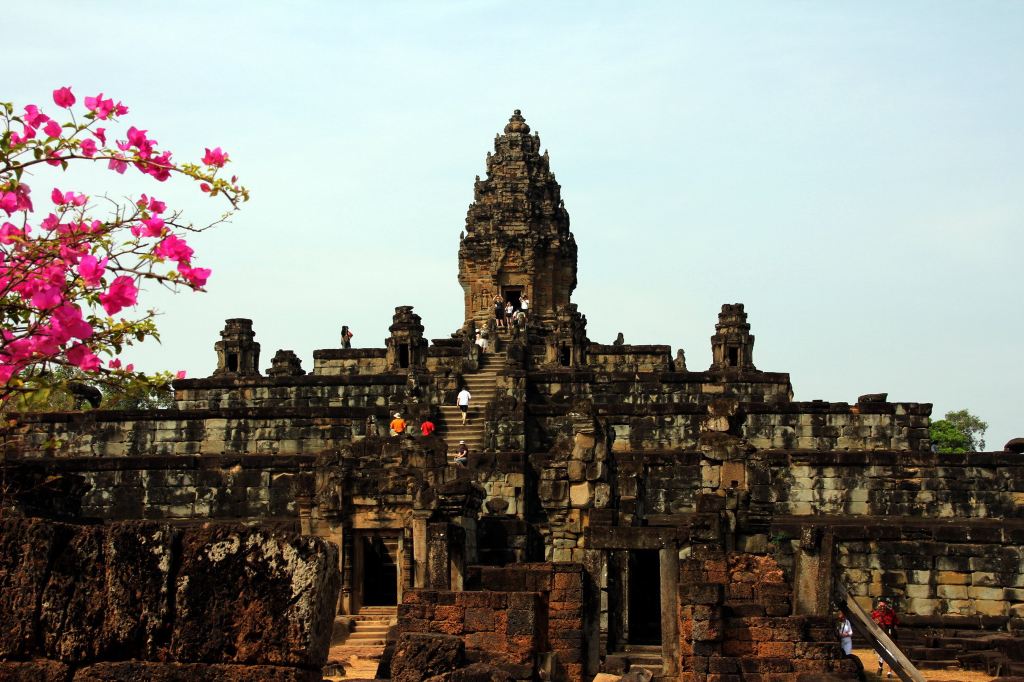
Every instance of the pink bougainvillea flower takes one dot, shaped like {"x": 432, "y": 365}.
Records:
{"x": 68, "y": 318}
{"x": 70, "y": 198}
{"x": 180, "y": 374}
{"x": 46, "y": 297}
{"x": 154, "y": 226}
{"x": 158, "y": 167}
{"x": 9, "y": 202}
{"x": 196, "y": 277}
{"x": 88, "y": 148}
{"x": 54, "y": 157}
{"x": 174, "y": 248}
{"x": 99, "y": 106}
{"x": 118, "y": 164}
{"x": 52, "y": 128}
{"x": 101, "y": 135}
{"x": 115, "y": 363}
{"x": 34, "y": 117}
{"x": 9, "y": 232}
{"x": 122, "y": 294}
{"x": 91, "y": 269}
{"x": 29, "y": 133}
{"x": 83, "y": 357}
{"x": 129, "y": 367}
{"x": 154, "y": 205}
{"x": 215, "y": 157}
{"x": 203, "y": 187}
{"x": 63, "y": 97}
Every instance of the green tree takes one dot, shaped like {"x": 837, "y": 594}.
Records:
{"x": 960, "y": 431}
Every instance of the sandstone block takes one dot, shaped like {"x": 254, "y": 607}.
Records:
{"x": 952, "y": 591}
{"x": 132, "y": 671}
{"x": 39, "y": 670}
{"x": 986, "y": 593}
{"x": 250, "y": 596}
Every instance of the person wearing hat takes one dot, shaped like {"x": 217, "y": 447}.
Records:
{"x": 463, "y": 453}
{"x": 397, "y": 425}
{"x": 885, "y": 617}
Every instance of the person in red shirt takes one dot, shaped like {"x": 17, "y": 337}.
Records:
{"x": 885, "y": 617}
{"x": 427, "y": 427}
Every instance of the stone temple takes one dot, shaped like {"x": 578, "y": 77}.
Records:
{"x": 619, "y": 513}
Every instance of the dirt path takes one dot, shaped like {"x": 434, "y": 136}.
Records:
{"x": 870, "y": 661}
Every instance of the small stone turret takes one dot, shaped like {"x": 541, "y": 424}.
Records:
{"x": 406, "y": 346}
{"x": 732, "y": 346}
{"x": 286, "y": 364}
{"x": 238, "y": 354}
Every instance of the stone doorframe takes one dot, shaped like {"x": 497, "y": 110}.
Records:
{"x": 352, "y": 561}
{"x": 615, "y": 561}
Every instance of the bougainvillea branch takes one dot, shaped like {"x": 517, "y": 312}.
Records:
{"x": 72, "y": 265}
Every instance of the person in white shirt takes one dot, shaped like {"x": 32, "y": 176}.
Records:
{"x": 845, "y": 631}
{"x": 463, "y": 402}
{"x": 524, "y": 304}
{"x": 482, "y": 342}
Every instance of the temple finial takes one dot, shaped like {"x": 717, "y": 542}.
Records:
{"x": 517, "y": 124}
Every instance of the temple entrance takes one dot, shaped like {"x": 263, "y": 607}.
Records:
{"x": 644, "y": 597}
{"x": 380, "y": 570}
{"x": 513, "y": 295}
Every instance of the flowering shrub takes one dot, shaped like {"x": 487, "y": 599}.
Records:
{"x": 70, "y": 275}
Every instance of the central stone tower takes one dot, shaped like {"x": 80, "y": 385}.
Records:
{"x": 517, "y": 242}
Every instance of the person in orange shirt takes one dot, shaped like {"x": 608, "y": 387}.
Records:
{"x": 397, "y": 425}
{"x": 426, "y": 427}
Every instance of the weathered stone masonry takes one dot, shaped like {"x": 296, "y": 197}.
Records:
{"x": 624, "y": 511}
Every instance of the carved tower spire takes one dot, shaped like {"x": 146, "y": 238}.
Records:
{"x": 517, "y": 240}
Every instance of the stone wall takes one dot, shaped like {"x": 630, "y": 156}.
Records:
{"x": 561, "y": 586}
{"x": 310, "y": 390}
{"x": 175, "y": 488}
{"x": 506, "y": 629}
{"x": 144, "y": 600}
{"x": 896, "y": 484}
{"x": 734, "y": 624}
{"x": 264, "y": 431}
{"x": 942, "y": 570}
{"x": 629, "y": 358}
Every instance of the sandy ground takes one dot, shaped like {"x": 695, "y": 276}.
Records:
{"x": 867, "y": 656}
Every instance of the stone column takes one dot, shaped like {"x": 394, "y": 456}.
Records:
{"x": 347, "y": 561}
{"x": 593, "y": 563}
{"x": 443, "y": 548}
{"x": 812, "y": 584}
{"x": 669, "y": 557}
{"x": 419, "y": 548}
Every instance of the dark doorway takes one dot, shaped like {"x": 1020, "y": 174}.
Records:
{"x": 380, "y": 573}
{"x": 644, "y": 597}
{"x": 403, "y": 355}
{"x": 513, "y": 296}
{"x": 734, "y": 356}
{"x": 565, "y": 356}
{"x": 232, "y": 362}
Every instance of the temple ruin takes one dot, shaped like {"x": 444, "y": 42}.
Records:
{"x": 618, "y": 511}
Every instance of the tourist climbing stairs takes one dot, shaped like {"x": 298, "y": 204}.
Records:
{"x": 482, "y": 385}
{"x": 357, "y": 647}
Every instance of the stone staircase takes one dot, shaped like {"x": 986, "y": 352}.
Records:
{"x": 482, "y": 385}
{"x": 635, "y": 656}
{"x": 356, "y": 655}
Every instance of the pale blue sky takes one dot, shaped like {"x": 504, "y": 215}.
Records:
{"x": 852, "y": 171}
